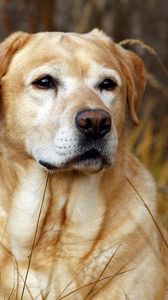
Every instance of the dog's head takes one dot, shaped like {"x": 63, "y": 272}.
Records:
{"x": 64, "y": 97}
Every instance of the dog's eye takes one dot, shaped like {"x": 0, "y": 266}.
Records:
{"x": 45, "y": 82}
{"x": 108, "y": 85}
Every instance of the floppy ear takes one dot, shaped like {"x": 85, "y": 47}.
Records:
{"x": 9, "y": 47}
{"x": 134, "y": 72}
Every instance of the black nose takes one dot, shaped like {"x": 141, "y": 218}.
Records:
{"x": 93, "y": 123}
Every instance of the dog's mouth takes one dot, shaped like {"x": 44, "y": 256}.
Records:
{"x": 91, "y": 154}
{"x": 47, "y": 165}
{"x": 89, "y": 158}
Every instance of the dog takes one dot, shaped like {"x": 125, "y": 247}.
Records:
{"x": 78, "y": 210}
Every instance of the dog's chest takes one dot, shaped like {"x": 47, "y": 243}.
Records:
{"x": 69, "y": 276}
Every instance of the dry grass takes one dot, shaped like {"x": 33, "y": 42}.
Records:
{"x": 150, "y": 140}
{"x": 152, "y": 51}
{"x": 150, "y": 148}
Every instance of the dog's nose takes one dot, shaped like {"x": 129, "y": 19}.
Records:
{"x": 93, "y": 123}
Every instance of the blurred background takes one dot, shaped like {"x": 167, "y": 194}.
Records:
{"x": 120, "y": 19}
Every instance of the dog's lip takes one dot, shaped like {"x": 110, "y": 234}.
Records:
{"x": 47, "y": 165}
{"x": 91, "y": 154}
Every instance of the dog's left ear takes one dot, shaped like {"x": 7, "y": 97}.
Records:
{"x": 134, "y": 72}
{"x": 9, "y": 47}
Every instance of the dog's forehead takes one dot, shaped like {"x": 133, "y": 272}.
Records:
{"x": 69, "y": 48}
{"x": 71, "y": 41}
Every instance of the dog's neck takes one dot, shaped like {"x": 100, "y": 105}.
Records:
{"x": 64, "y": 200}
{"x": 42, "y": 204}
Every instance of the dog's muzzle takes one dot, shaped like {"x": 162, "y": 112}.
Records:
{"x": 93, "y": 130}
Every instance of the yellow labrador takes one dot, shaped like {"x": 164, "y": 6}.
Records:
{"x": 75, "y": 204}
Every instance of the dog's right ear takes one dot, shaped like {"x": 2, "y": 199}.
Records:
{"x": 9, "y": 47}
